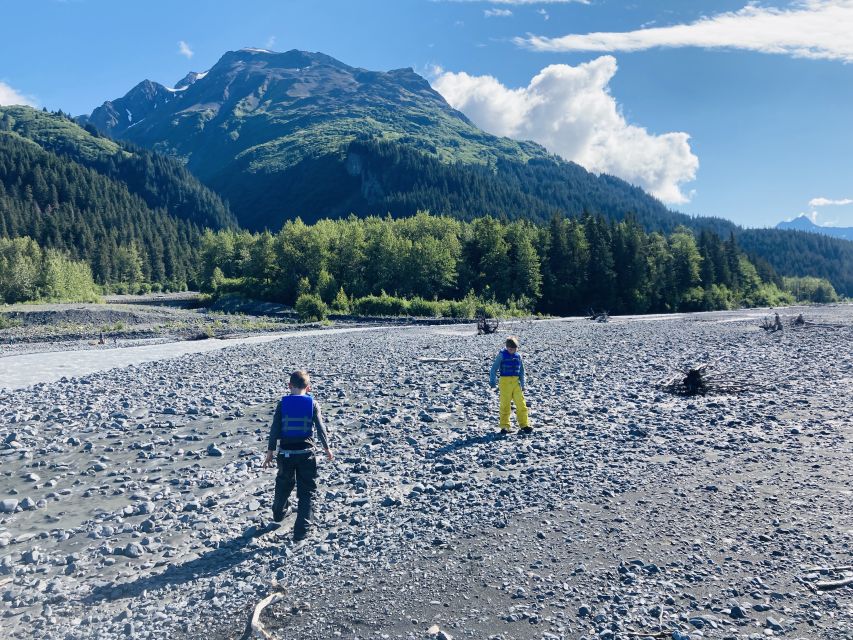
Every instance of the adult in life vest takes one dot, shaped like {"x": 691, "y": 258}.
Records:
{"x": 291, "y": 442}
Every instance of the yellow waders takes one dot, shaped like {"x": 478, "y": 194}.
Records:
{"x": 510, "y": 391}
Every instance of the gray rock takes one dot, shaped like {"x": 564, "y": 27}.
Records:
{"x": 213, "y": 450}
{"x": 737, "y": 613}
{"x": 31, "y": 556}
{"x": 8, "y": 505}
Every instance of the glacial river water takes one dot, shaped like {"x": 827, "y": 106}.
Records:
{"x": 23, "y": 370}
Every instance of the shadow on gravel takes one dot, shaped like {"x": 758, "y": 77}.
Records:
{"x": 470, "y": 441}
{"x": 211, "y": 563}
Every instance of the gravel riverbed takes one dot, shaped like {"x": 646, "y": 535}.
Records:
{"x": 133, "y": 505}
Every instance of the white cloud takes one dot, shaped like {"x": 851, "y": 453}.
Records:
{"x": 497, "y": 13}
{"x": 826, "y": 202}
{"x": 270, "y": 42}
{"x": 819, "y": 29}
{"x": 9, "y": 96}
{"x": 543, "y": 13}
{"x": 570, "y": 111}
{"x": 184, "y": 49}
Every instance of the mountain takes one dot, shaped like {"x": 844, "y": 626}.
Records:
{"x": 292, "y": 134}
{"x": 100, "y": 201}
{"x": 281, "y": 135}
{"x": 803, "y": 223}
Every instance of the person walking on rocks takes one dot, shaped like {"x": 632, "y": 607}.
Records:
{"x": 292, "y": 435}
{"x": 511, "y": 368}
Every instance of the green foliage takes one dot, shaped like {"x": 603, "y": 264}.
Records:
{"x": 28, "y": 273}
{"x": 311, "y": 308}
{"x": 420, "y": 308}
{"x": 381, "y": 305}
{"x": 803, "y": 254}
{"x": 133, "y": 216}
{"x": 426, "y": 262}
{"x": 768, "y": 295}
{"x": 6, "y": 323}
{"x": 810, "y": 289}
{"x": 341, "y": 303}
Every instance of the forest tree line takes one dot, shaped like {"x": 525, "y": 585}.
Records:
{"x": 567, "y": 266}
{"x": 29, "y": 273}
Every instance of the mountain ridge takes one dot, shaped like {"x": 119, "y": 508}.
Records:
{"x": 804, "y": 223}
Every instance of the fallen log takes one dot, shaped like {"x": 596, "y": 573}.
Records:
{"x": 848, "y": 567}
{"x": 829, "y": 585}
{"x": 255, "y": 629}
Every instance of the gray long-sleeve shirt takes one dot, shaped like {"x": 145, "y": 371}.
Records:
{"x": 319, "y": 427}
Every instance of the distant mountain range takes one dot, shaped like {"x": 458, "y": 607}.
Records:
{"x": 804, "y": 223}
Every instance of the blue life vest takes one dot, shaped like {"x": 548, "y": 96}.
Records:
{"x": 297, "y": 417}
{"x": 510, "y": 364}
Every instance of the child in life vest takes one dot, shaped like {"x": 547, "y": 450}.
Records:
{"x": 296, "y": 418}
{"x": 509, "y": 365}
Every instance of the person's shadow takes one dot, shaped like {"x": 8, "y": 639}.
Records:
{"x": 211, "y": 563}
{"x": 462, "y": 443}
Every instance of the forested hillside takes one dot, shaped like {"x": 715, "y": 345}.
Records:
{"x": 803, "y": 254}
{"x": 133, "y": 216}
{"x": 374, "y": 177}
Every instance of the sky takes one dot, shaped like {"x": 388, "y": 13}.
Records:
{"x": 738, "y": 109}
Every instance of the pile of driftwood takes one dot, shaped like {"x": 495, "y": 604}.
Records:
{"x": 775, "y": 323}
{"x": 839, "y": 577}
{"x": 772, "y": 324}
{"x": 800, "y": 321}
{"x": 702, "y": 380}
{"x": 486, "y": 326}
{"x": 598, "y": 316}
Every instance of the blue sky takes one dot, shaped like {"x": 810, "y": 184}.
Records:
{"x": 720, "y": 108}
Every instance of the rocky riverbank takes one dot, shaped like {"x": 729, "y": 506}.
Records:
{"x": 135, "y": 506}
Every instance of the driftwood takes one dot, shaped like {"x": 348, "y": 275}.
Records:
{"x": 848, "y": 567}
{"x": 772, "y": 324}
{"x": 486, "y": 326}
{"x": 599, "y": 316}
{"x": 703, "y": 380}
{"x": 800, "y": 321}
{"x": 255, "y": 629}
{"x": 829, "y": 585}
